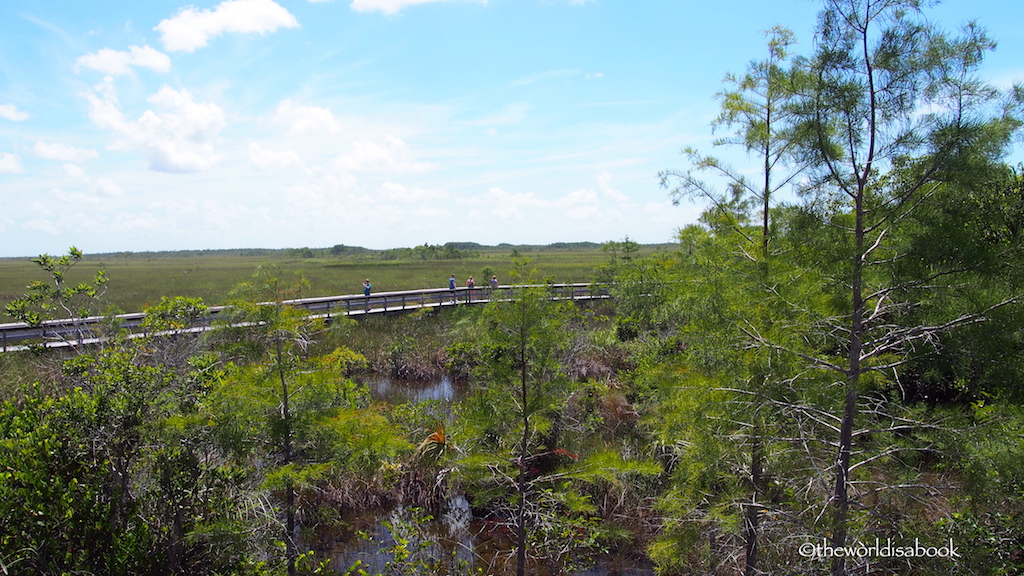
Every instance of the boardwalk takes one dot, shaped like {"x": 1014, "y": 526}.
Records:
{"x": 62, "y": 333}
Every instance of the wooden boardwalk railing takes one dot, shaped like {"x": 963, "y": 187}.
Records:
{"x": 61, "y": 333}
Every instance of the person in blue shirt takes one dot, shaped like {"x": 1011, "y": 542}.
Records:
{"x": 366, "y": 292}
{"x": 451, "y": 286}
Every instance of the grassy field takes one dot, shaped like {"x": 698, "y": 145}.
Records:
{"x": 139, "y": 280}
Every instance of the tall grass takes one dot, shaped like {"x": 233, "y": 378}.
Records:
{"x": 138, "y": 281}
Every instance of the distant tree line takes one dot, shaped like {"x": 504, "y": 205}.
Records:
{"x": 428, "y": 252}
{"x": 450, "y": 250}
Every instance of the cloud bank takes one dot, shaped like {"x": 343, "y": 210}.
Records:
{"x": 10, "y": 164}
{"x": 120, "y": 63}
{"x": 178, "y": 135}
{"x": 192, "y": 29}
{"x": 11, "y": 112}
{"x": 63, "y": 152}
{"x": 301, "y": 119}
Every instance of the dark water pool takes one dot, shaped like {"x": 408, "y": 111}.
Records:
{"x": 395, "y": 391}
{"x": 454, "y": 544}
{"x": 457, "y": 543}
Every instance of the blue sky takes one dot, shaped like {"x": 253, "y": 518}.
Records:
{"x": 161, "y": 125}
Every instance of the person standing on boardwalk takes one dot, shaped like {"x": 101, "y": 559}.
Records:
{"x": 366, "y": 292}
{"x": 451, "y": 286}
{"x": 470, "y": 284}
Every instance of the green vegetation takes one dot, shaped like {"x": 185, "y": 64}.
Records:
{"x": 57, "y": 297}
{"x": 143, "y": 278}
{"x": 820, "y": 312}
{"x": 795, "y": 376}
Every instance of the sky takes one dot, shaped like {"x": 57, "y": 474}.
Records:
{"x": 162, "y": 125}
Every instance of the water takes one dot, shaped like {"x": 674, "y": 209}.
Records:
{"x": 394, "y": 391}
{"x": 451, "y": 545}
{"x": 455, "y": 542}
{"x": 445, "y": 545}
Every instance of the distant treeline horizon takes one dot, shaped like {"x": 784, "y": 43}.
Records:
{"x": 447, "y": 251}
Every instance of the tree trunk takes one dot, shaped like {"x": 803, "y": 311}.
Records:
{"x": 841, "y": 497}
{"x": 521, "y": 522}
{"x": 291, "y": 553}
{"x": 751, "y": 525}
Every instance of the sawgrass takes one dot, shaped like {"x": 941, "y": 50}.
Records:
{"x": 141, "y": 280}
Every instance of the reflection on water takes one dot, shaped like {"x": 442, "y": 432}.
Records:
{"x": 458, "y": 517}
{"x": 454, "y": 543}
{"x": 406, "y": 536}
{"x": 395, "y": 391}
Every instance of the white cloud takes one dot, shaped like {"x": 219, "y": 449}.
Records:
{"x": 77, "y": 222}
{"x": 178, "y": 137}
{"x": 63, "y": 152}
{"x": 177, "y": 208}
{"x": 138, "y": 222}
{"x": 41, "y": 225}
{"x": 10, "y": 164}
{"x": 301, "y": 119}
{"x": 583, "y": 204}
{"x": 579, "y": 205}
{"x": 317, "y": 195}
{"x": 74, "y": 171}
{"x": 11, "y": 112}
{"x": 604, "y": 183}
{"x": 269, "y": 159}
{"x": 119, "y": 63}
{"x": 391, "y": 156}
{"x": 508, "y": 206}
{"x": 389, "y": 6}
{"x": 191, "y": 28}
{"x": 40, "y": 208}
{"x": 106, "y": 187}
{"x": 103, "y": 104}
{"x": 101, "y": 188}
{"x": 75, "y": 197}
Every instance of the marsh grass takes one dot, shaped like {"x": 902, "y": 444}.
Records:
{"x": 141, "y": 280}
{"x": 30, "y": 372}
{"x": 410, "y": 347}
{"x": 406, "y": 346}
